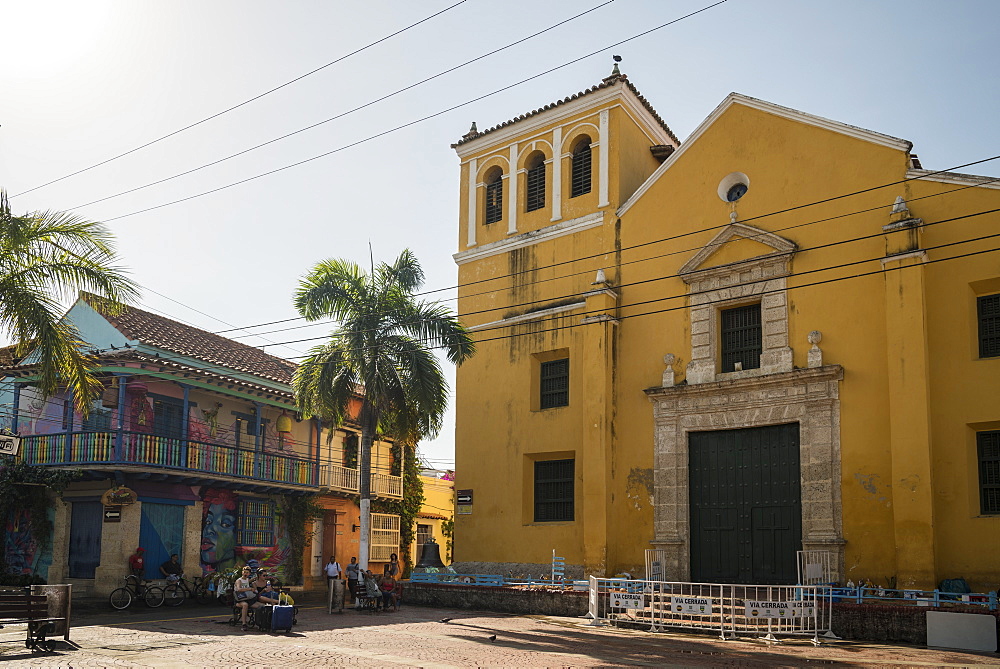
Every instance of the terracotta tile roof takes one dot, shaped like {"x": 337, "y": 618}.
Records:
{"x": 8, "y": 355}
{"x": 175, "y": 337}
{"x": 431, "y": 516}
{"x": 605, "y": 83}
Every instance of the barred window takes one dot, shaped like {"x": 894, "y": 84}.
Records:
{"x": 424, "y": 534}
{"x": 988, "y": 307}
{"x": 741, "y": 337}
{"x": 255, "y": 525}
{"x": 580, "y": 178}
{"x": 554, "y": 390}
{"x": 988, "y": 445}
{"x": 535, "y": 192}
{"x": 494, "y": 195}
{"x": 553, "y": 490}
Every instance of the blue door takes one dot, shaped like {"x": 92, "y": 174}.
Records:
{"x": 161, "y": 533}
{"x": 85, "y": 539}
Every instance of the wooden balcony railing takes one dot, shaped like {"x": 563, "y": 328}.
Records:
{"x": 336, "y": 477}
{"x": 387, "y": 485}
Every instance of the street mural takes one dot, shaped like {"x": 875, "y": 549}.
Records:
{"x": 221, "y": 547}
{"x": 23, "y": 555}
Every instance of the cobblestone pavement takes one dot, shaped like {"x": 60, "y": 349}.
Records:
{"x": 416, "y": 637}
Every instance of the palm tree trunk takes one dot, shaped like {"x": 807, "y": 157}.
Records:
{"x": 364, "y": 484}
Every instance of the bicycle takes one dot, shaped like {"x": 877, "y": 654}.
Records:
{"x": 122, "y": 598}
{"x": 175, "y": 593}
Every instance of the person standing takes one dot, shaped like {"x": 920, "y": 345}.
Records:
{"x": 393, "y": 565}
{"x": 137, "y": 563}
{"x": 354, "y": 577}
{"x": 332, "y": 570}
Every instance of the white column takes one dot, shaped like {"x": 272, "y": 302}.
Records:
{"x": 512, "y": 192}
{"x": 557, "y": 174}
{"x": 602, "y": 153}
{"x": 472, "y": 203}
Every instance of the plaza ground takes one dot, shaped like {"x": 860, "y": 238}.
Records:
{"x": 192, "y": 636}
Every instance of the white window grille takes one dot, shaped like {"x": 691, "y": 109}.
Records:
{"x": 384, "y": 537}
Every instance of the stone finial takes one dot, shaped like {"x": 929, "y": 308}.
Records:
{"x": 615, "y": 72}
{"x": 601, "y": 279}
{"x": 732, "y": 217}
{"x": 900, "y": 212}
{"x": 668, "y": 374}
{"x": 815, "y": 353}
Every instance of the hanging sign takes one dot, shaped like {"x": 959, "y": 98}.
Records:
{"x": 698, "y": 606}
{"x": 463, "y": 502}
{"x": 118, "y": 496}
{"x": 9, "y": 444}
{"x": 627, "y": 600}
{"x": 780, "y": 609}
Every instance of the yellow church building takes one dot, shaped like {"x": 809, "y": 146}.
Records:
{"x": 782, "y": 334}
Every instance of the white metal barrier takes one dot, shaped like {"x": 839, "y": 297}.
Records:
{"x": 656, "y": 564}
{"x": 815, "y": 567}
{"x": 766, "y": 611}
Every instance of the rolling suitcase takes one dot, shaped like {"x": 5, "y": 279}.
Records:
{"x": 282, "y": 616}
{"x": 262, "y": 617}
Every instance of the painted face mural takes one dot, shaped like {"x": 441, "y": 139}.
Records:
{"x": 218, "y": 534}
{"x": 22, "y": 553}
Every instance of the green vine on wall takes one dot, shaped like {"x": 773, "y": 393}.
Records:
{"x": 23, "y": 489}
{"x": 298, "y": 512}
{"x": 408, "y": 507}
{"x": 448, "y": 530}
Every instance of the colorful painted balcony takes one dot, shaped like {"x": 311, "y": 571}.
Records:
{"x": 117, "y": 450}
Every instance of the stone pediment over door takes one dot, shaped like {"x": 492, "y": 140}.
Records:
{"x": 741, "y": 265}
{"x": 737, "y": 243}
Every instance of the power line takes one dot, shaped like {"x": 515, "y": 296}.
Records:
{"x": 789, "y": 288}
{"x": 414, "y": 122}
{"x": 669, "y": 276}
{"x": 346, "y": 113}
{"x": 685, "y": 234}
{"x": 500, "y": 326}
{"x": 687, "y": 306}
{"x": 245, "y": 102}
{"x": 630, "y": 262}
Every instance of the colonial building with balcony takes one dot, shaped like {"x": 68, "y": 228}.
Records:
{"x": 193, "y": 447}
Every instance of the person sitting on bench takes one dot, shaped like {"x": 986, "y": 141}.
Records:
{"x": 266, "y": 593}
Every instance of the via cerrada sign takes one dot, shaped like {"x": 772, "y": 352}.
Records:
{"x": 780, "y": 609}
{"x": 699, "y": 606}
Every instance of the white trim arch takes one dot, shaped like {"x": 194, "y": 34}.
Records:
{"x": 574, "y": 134}
{"x": 530, "y": 148}
{"x": 490, "y": 163}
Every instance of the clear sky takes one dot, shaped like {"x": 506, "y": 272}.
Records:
{"x": 81, "y": 82}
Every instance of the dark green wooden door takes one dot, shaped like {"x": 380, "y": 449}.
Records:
{"x": 746, "y": 505}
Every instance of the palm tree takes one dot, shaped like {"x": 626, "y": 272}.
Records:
{"x": 380, "y": 353}
{"x": 45, "y": 259}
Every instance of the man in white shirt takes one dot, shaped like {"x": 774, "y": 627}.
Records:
{"x": 332, "y": 570}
